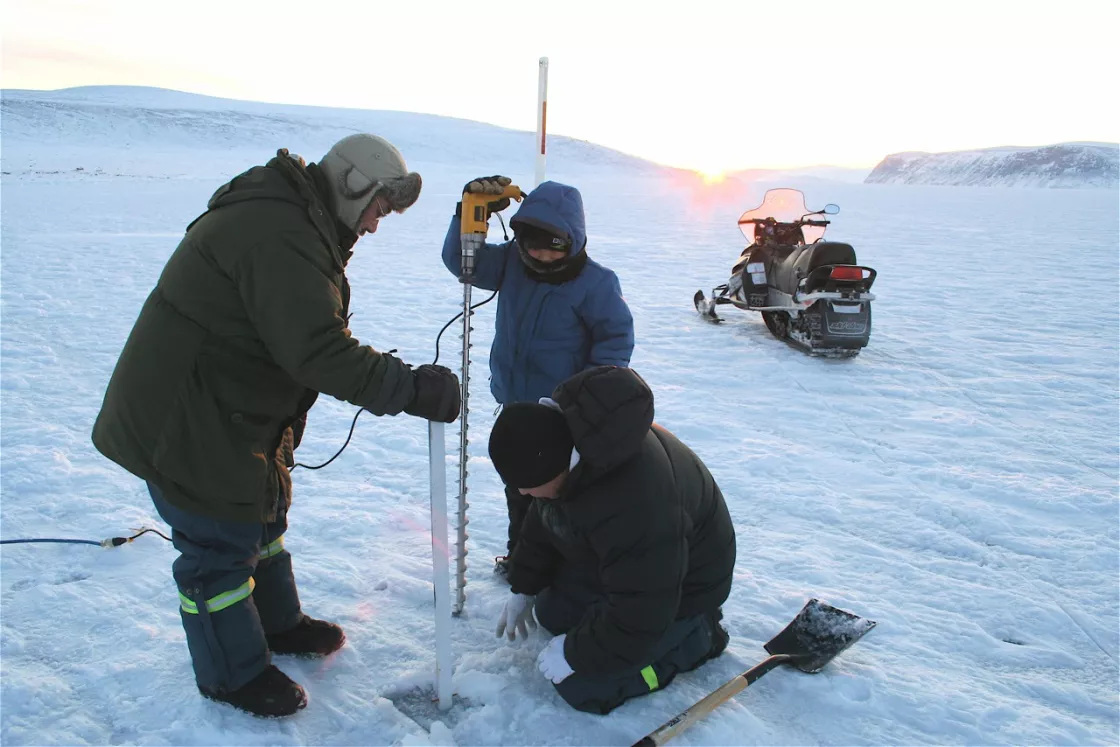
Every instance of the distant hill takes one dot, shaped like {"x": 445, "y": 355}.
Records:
{"x": 115, "y": 127}
{"x": 1062, "y": 165}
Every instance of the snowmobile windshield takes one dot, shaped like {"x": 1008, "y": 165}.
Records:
{"x": 784, "y": 206}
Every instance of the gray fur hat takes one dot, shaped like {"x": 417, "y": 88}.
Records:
{"x": 359, "y": 167}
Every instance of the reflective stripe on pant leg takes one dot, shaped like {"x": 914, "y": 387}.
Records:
{"x": 273, "y": 548}
{"x": 227, "y": 645}
{"x": 219, "y": 602}
{"x": 681, "y": 648}
{"x": 215, "y": 604}
{"x": 215, "y": 658}
{"x": 217, "y": 559}
{"x": 275, "y": 596}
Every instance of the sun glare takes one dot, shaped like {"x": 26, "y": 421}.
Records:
{"x": 712, "y": 176}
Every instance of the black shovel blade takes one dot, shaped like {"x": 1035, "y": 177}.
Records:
{"x": 818, "y": 633}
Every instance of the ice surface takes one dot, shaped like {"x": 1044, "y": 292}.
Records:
{"x": 956, "y": 482}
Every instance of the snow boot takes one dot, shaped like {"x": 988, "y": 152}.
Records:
{"x": 271, "y": 694}
{"x": 720, "y": 638}
{"x": 310, "y": 637}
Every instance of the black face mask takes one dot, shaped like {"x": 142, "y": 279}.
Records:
{"x": 560, "y": 271}
{"x": 530, "y": 238}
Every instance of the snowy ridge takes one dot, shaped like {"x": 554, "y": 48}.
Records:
{"x": 1062, "y": 165}
{"x": 78, "y": 127}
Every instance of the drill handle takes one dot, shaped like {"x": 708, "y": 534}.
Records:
{"x": 475, "y": 215}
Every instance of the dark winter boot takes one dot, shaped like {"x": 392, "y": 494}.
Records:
{"x": 310, "y": 637}
{"x": 271, "y": 694}
{"x": 720, "y": 638}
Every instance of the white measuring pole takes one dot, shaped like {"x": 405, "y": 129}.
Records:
{"x": 441, "y": 574}
{"x": 542, "y": 117}
{"x": 464, "y": 379}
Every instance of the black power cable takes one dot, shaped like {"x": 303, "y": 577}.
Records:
{"x": 108, "y": 542}
{"x": 118, "y": 541}
{"x": 354, "y": 422}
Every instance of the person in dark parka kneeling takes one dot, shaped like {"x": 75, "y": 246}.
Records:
{"x": 627, "y": 551}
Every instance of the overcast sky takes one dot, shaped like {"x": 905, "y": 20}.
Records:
{"x": 694, "y": 83}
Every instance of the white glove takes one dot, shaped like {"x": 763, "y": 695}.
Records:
{"x": 517, "y": 616}
{"x": 552, "y": 663}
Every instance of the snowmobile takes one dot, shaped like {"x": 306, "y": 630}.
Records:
{"x": 810, "y": 292}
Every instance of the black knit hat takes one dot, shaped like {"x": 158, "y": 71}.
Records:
{"x": 530, "y": 444}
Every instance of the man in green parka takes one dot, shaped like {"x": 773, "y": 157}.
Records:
{"x": 245, "y": 327}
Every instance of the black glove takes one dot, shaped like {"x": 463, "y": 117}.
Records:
{"x": 490, "y": 185}
{"x": 437, "y": 394}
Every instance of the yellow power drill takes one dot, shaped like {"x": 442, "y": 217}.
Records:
{"x": 475, "y": 224}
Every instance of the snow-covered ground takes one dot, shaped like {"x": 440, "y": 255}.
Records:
{"x": 957, "y": 482}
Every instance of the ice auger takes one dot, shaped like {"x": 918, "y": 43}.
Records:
{"x": 475, "y": 219}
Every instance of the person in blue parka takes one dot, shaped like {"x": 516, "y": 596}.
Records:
{"x": 559, "y": 311}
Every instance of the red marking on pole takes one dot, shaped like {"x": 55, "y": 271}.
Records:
{"x": 544, "y": 118}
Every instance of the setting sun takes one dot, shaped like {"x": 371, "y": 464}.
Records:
{"x": 712, "y": 176}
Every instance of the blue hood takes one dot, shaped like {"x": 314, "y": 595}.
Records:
{"x": 558, "y": 209}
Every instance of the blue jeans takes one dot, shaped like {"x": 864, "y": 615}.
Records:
{"x": 235, "y": 585}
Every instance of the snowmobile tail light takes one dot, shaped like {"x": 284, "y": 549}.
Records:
{"x": 847, "y": 273}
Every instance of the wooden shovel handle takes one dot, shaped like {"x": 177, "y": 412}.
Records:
{"x": 708, "y": 703}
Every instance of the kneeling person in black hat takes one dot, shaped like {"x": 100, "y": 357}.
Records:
{"x": 627, "y": 551}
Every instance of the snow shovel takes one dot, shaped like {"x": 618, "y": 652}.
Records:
{"x": 816, "y": 635}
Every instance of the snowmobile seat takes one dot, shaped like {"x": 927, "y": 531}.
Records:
{"x": 829, "y": 253}
{"x": 807, "y": 258}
